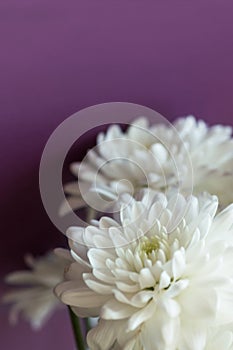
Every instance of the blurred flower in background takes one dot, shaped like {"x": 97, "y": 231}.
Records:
{"x": 187, "y": 155}
{"x": 33, "y": 296}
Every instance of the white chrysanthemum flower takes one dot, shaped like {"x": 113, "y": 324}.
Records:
{"x": 186, "y": 154}
{"x": 160, "y": 279}
{"x": 34, "y": 296}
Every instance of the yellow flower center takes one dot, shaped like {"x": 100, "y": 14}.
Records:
{"x": 149, "y": 245}
{"x": 153, "y": 247}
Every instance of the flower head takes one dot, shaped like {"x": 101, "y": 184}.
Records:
{"x": 188, "y": 155}
{"x": 34, "y": 296}
{"x": 159, "y": 279}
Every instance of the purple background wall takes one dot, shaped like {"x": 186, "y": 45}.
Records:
{"x": 58, "y": 57}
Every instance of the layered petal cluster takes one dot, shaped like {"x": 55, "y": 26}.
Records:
{"x": 186, "y": 154}
{"x": 220, "y": 338}
{"x": 160, "y": 279}
{"x": 33, "y": 294}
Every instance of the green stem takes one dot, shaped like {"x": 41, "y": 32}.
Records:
{"x": 90, "y": 215}
{"x": 80, "y": 344}
{"x": 87, "y": 324}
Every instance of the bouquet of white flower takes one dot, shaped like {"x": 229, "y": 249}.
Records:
{"x": 156, "y": 268}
